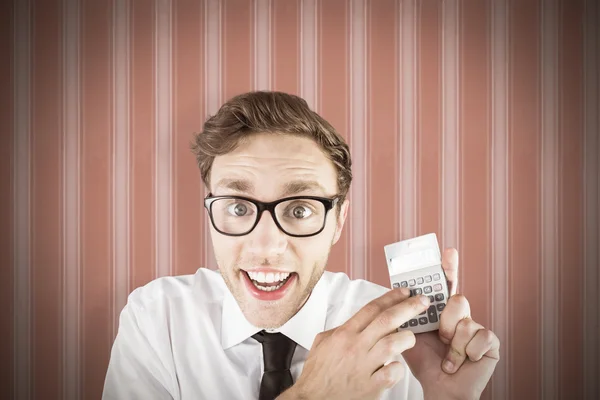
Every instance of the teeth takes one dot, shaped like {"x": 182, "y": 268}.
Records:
{"x": 268, "y": 288}
{"x": 268, "y": 277}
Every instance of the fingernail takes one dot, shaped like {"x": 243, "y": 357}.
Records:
{"x": 404, "y": 291}
{"x": 425, "y": 300}
{"x": 448, "y": 365}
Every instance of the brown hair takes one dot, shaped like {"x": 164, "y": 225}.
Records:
{"x": 269, "y": 112}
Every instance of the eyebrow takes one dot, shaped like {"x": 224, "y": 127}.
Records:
{"x": 295, "y": 187}
{"x": 238, "y": 185}
{"x": 290, "y": 188}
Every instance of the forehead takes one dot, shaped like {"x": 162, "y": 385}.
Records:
{"x": 270, "y": 166}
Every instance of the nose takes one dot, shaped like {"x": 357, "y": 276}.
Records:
{"x": 266, "y": 240}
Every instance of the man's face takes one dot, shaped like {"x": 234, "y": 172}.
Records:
{"x": 266, "y": 168}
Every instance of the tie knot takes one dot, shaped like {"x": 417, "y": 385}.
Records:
{"x": 278, "y": 350}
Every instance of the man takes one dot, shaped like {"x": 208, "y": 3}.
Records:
{"x": 272, "y": 323}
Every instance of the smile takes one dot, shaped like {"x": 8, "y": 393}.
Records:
{"x": 268, "y": 285}
{"x": 268, "y": 281}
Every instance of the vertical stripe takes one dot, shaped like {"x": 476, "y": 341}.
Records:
{"x": 143, "y": 95}
{"x": 97, "y": 130}
{"x": 308, "y": 54}
{"x": 549, "y": 206}
{"x": 450, "y": 125}
{"x": 475, "y": 162}
{"x": 358, "y": 143}
{"x": 429, "y": 123}
{"x": 407, "y": 151}
{"x": 525, "y": 200}
{"x": 7, "y": 194}
{"x": 188, "y": 117}
{"x": 238, "y": 47}
{"x": 287, "y": 51}
{"x": 382, "y": 133}
{"x": 164, "y": 146}
{"x": 334, "y": 100}
{"x": 46, "y": 199}
{"x": 213, "y": 63}
{"x": 571, "y": 224}
{"x": 71, "y": 300}
{"x": 121, "y": 173}
{"x": 591, "y": 281}
{"x": 262, "y": 44}
{"x": 499, "y": 198}
{"x": 22, "y": 200}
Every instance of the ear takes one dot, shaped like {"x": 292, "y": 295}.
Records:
{"x": 341, "y": 219}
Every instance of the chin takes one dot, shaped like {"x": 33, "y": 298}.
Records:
{"x": 267, "y": 317}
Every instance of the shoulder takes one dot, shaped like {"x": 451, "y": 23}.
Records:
{"x": 204, "y": 286}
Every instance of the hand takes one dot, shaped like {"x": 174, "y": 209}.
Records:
{"x": 472, "y": 350}
{"x": 348, "y": 362}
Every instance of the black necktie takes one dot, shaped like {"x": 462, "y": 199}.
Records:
{"x": 278, "y": 350}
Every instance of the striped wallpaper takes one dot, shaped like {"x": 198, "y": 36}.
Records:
{"x": 477, "y": 120}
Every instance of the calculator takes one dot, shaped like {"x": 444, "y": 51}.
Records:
{"x": 416, "y": 264}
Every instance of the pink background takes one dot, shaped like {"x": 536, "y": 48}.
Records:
{"x": 477, "y": 120}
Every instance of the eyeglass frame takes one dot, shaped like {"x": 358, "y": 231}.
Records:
{"x": 262, "y": 206}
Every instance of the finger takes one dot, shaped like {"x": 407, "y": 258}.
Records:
{"x": 456, "y": 309}
{"x": 388, "y": 376}
{"x": 485, "y": 343}
{"x": 465, "y": 332}
{"x": 390, "y": 346}
{"x": 371, "y": 310}
{"x": 390, "y": 320}
{"x": 450, "y": 267}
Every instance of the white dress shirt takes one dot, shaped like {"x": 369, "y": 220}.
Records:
{"x": 185, "y": 338}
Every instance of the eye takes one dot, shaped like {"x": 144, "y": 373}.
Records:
{"x": 237, "y": 209}
{"x": 301, "y": 212}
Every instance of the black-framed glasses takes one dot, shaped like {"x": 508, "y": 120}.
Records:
{"x": 298, "y": 216}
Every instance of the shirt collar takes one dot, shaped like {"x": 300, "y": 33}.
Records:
{"x": 302, "y": 328}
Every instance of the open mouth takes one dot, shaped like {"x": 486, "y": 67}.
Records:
{"x": 268, "y": 282}
{"x": 269, "y": 286}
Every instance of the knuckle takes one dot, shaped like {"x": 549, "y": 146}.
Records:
{"x": 460, "y": 299}
{"x": 390, "y": 345}
{"x": 384, "y": 319}
{"x": 408, "y": 337}
{"x": 386, "y": 378}
{"x": 459, "y": 353}
{"x": 465, "y": 324}
{"x": 392, "y": 375}
{"x": 488, "y": 336}
{"x": 416, "y": 304}
{"x": 373, "y": 308}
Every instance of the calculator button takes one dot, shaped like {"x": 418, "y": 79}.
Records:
{"x": 413, "y": 322}
{"x": 422, "y": 320}
{"x": 411, "y": 282}
{"x": 436, "y": 277}
{"x": 396, "y": 285}
{"x": 431, "y": 299}
{"x": 432, "y": 314}
{"x": 427, "y": 289}
{"x": 440, "y": 306}
{"x": 428, "y": 279}
{"x": 418, "y": 291}
{"x": 437, "y": 287}
{"x": 404, "y": 325}
{"x": 439, "y": 297}
{"x": 404, "y": 284}
{"x": 419, "y": 281}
